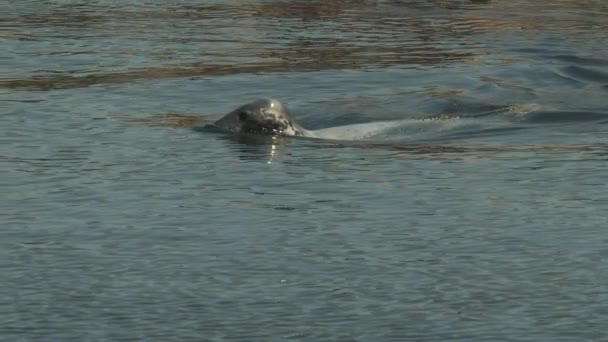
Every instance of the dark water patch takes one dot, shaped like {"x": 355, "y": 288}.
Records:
{"x": 574, "y": 82}
{"x": 585, "y": 74}
{"x": 116, "y": 16}
{"x": 77, "y": 16}
{"x": 467, "y": 108}
{"x": 332, "y": 55}
{"x": 481, "y": 132}
{"x": 480, "y": 151}
{"x": 38, "y": 246}
{"x": 312, "y": 10}
{"x": 438, "y": 4}
{"x": 547, "y": 116}
{"x": 319, "y": 61}
{"x": 66, "y": 81}
{"x": 529, "y": 50}
{"x": 578, "y": 60}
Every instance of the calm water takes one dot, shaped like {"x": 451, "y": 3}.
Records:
{"x": 481, "y": 218}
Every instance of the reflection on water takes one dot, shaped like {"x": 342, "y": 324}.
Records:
{"x": 480, "y": 217}
{"x": 268, "y": 37}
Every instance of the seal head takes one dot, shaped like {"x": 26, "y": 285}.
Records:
{"x": 263, "y": 116}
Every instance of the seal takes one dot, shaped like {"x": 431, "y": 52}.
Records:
{"x": 262, "y": 116}
{"x": 271, "y": 118}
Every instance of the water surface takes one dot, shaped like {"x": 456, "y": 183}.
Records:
{"x": 481, "y": 218}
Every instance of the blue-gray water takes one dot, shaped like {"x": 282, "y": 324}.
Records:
{"x": 483, "y": 218}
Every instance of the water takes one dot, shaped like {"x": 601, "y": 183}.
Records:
{"x": 481, "y": 218}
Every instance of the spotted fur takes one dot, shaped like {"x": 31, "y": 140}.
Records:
{"x": 263, "y": 116}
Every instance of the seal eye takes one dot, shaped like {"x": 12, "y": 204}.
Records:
{"x": 242, "y": 116}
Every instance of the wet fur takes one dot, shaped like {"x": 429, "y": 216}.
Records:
{"x": 263, "y": 116}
